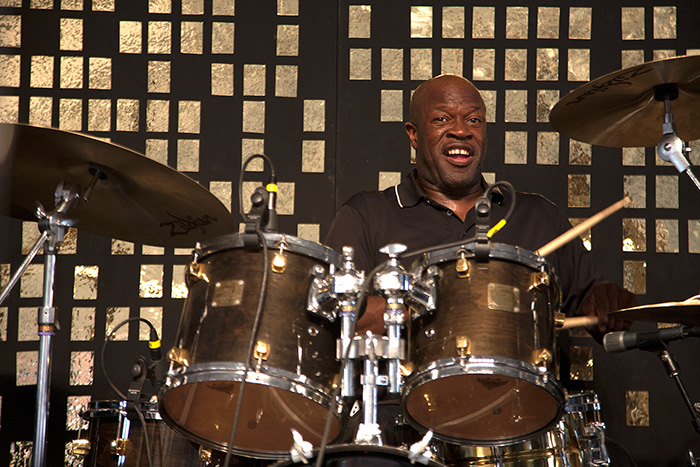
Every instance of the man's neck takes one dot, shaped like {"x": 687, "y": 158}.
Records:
{"x": 460, "y": 204}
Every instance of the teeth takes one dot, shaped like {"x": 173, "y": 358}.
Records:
{"x": 458, "y": 152}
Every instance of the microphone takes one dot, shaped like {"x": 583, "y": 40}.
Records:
{"x": 157, "y": 363}
{"x": 271, "y": 188}
{"x": 645, "y": 340}
{"x": 482, "y": 211}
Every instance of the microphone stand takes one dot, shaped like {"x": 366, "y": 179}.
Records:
{"x": 673, "y": 371}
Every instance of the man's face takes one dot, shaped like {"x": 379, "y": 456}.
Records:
{"x": 448, "y": 133}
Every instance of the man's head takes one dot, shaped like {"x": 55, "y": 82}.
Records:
{"x": 448, "y": 132}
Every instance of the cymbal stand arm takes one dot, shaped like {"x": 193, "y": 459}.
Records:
{"x": 23, "y": 267}
{"x": 671, "y": 148}
{"x": 673, "y": 371}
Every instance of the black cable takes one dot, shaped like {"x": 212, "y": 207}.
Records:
{"x": 240, "y": 181}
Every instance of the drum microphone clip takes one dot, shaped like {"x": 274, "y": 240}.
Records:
{"x": 482, "y": 208}
{"x": 258, "y": 217}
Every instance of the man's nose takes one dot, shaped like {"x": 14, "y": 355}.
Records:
{"x": 460, "y": 129}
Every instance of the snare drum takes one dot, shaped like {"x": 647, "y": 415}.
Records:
{"x": 294, "y": 367}
{"x": 484, "y": 361}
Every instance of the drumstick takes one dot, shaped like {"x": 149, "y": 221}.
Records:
{"x": 572, "y": 233}
{"x": 579, "y": 322}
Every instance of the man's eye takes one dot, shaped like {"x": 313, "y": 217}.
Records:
{"x": 440, "y": 119}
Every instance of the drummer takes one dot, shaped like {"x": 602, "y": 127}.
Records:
{"x": 434, "y": 205}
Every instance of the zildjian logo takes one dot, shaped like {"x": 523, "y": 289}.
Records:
{"x": 620, "y": 79}
{"x": 183, "y": 226}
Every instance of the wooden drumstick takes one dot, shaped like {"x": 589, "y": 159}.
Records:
{"x": 572, "y": 233}
{"x": 579, "y": 322}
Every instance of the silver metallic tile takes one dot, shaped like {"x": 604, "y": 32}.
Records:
{"x": 483, "y": 22}
{"x": 453, "y": 22}
{"x": 31, "y": 284}
{"x": 157, "y": 115}
{"x": 667, "y": 191}
{"x": 103, "y": 5}
{"x": 391, "y": 105}
{"x": 484, "y": 64}
{"x": 128, "y": 115}
{"x": 579, "y": 65}
{"x": 693, "y": 236}
{"x": 637, "y": 408}
{"x": 222, "y": 79}
{"x": 71, "y": 34}
{"x": 287, "y": 7}
{"x": 160, "y": 37}
{"x": 27, "y": 324}
{"x": 151, "y": 281}
{"x": 586, "y": 236}
{"x": 9, "y": 109}
{"x": 30, "y": 234}
{"x": 9, "y": 71}
{"x": 41, "y": 71}
{"x": 70, "y": 114}
{"x": 359, "y": 21}
{"x": 287, "y": 40}
{"x": 192, "y": 7}
{"x": 634, "y": 235}
{"x": 579, "y": 190}
{"x": 547, "y": 64}
{"x": 189, "y": 116}
{"x": 515, "y": 65}
{"x": 516, "y": 106}
{"x": 547, "y": 148}
{"x": 421, "y": 22}
{"x": 71, "y": 76}
{"x": 392, "y": 64}
{"x": 222, "y": 38}
{"x": 253, "y": 117}
{"x": 310, "y": 232}
{"x": 633, "y": 157}
{"x": 154, "y": 314}
{"x": 26, "y": 369}
{"x": 580, "y": 19}
{"x": 10, "y": 31}
{"x": 160, "y": 6}
{"x": 665, "y": 22}
{"x": 421, "y": 64}
{"x": 667, "y": 236}
{"x": 285, "y": 198}
{"x": 286, "y": 80}
{"x": 516, "y": 147}
{"x": 634, "y": 276}
{"x": 113, "y": 316}
{"x": 250, "y": 147}
{"x": 313, "y": 156}
{"x": 82, "y": 365}
{"x": 314, "y": 115}
{"x": 632, "y": 26}
{"x": 3, "y": 324}
{"x": 630, "y": 58}
{"x": 191, "y": 37}
{"x": 75, "y": 405}
{"x": 82, "y": 326}
{"x": 547, "y": 22}
{"x": 635, "y": 186}
{"x": 253, "y": 80}
{"x": 40, "y": 111}
{"x": 490, "y": 100}
{"x": 580, "y": 153}
{"x": 100, "y": 73}
{"x": 178, "y": 288}
{"x": 223, "y": 192}
{"x": 223, "y": 7}
{"x": 156, "y": 149}
{"x": 85, "y": 282}
{"x": 581, "y": 368}
{"x": 452, "y": 62}
{"x": 517, "y": 22}
{"x": 188, "y": 155}
{"x": 130, "y": 40}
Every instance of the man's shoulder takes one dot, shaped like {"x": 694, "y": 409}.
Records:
{"x": 372, "y": 200}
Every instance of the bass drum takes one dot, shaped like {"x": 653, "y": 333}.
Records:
{"x": 358, "y": 455}
{"x": 294, "y": 366}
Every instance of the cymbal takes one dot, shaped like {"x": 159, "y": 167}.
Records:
{"x": 687, "y": 312}
{"x": 139, "y": 200}
{"x": 620, "y": 110}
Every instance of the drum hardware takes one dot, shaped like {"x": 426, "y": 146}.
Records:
{"x": 462, "y": 265}
{"x": 279, "y": 261}
{"x": 583, "y": 414}
{"x": 301, "y": 450}
{"x": 204, "y": 454}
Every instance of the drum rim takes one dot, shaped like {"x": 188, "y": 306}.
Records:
{"x": 341, "y": 448}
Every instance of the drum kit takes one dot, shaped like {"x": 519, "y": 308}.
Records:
{"x": 266, "y": 367}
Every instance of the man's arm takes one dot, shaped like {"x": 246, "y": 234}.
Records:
{"x": 606, "y": 297}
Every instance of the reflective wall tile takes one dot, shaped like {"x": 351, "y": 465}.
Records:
{"x": 41, "y": 71}
{"x": 160, "y": 6}
{"x": 452, "y": 62}
{"x": 178, "y": 288}
{"x": 547, "y": 147}
{"x": 580, "y": 19}
{"x": 40, "y": 110}
{"x": 114, "y": 315}
{"x": 191, "y": 37}
{"x": 579, "y": 190}
{"x": 253, "y": 80}
{"x": 9, "y": 109}
{"x": 632, "y": 23}
{"x": 547, "y": 64}
{"x": 314, "y": 115}
{"x": 75, "y": 405}
{"x": 128, "y": 115}
{"x": 516, "y": 65}
{"x": 546, "y": 99}
{"x": 516, "y": 106}
{"x": 391, "y": 105}
{"x": 223, "y": 7}
{"x": 26, "y": 369}
{"x": 150, "y": 250}
{"x": 222, "y": 79}
{"x": 287, "y": 40}
{"x": 11, "y": 3}
{"x": 74, "y": 5}
{"x": 41, "y": 4}
{"x": 664, "y": 22}
{"x": 120, "y": 247}
{"x": 580, "y": 153}
{"x": 3, "y": 324}
{"x": 634, "y": 276}
{"x": 71, "y": 76}
{"x": 222, "y": 38}
{"x": 188, "y": 155}
{"x": 313, "y": 156}
{"x": 154, "y": 314}
{"x": 359, "y": 21}
{"x": 103, "y": 5}
{"x": 667, "y": 191}
{"x": 361, "y": 64}
{"x": 85, "y": 282}
{"x": 637, "y": 408}
{"x": 586, "y": 236}
{"x": 517, "y": 22}
{"x": 633, "y": 157}
{"x": 250, "y": 147}
{"x": 192, "y": 7}
{"x": 421, "y": 22}
{"x": 30, "y": 234}
{"x": 130, "y": 37}
{"x": 484, "y": 64}
{"x": 288, "y": 7}
{"x": 286, "y": 80}
{"x": 5, "y": 273}
{"x": 547, "y": 22}
{"x": 100, "y": 73}
{"x": 156, "y": 149}
{"x": 483, "y": 22}
{"x": 71, "y": 34}
{"x": 421, "y": 64}
{"x": 70, "y": 114}
{"x": 157, "y": 115}
{"x": 490, "y": 101}
{"x": 515, "y": 147}
{"x": 634, "y": 235}
{"x": 630, "y": 58}
{"x": 667, "y": 236}
{"x": 253, "y": 117}
{"x": 693, "y": 236}
{"x": 579, "y": 65}
{"x": 31, "y": 284}
{"x": 27, "y": 324}
{"x": 158, "y": 76}
{"x": 635, "y": 186}
{"x": 664, "y": 53}
{"x": 21, "y": 453}
{"x": 223, "y": 192}
{"x": 82, "y": 326}
{"x": 82, "y": 365}
{"x": 392, "y": 64}
{"x": 285, "y": 199}
{"x": 9, "y": 71}
{"x": 581, "y": 368}
{"x": 387, "y": 179}
{"x": 310, "y": 232}
{"x": 453, "y": 22}
{"x": 10, "y": 31}
{"x": 189, "y": 116}
{"x": 160, "y": 37}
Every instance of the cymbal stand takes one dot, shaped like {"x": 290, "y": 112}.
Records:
{"x": 673, "y": 371}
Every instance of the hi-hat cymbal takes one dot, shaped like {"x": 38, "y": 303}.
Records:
{"x": 686, "y": 312}
{"x": 140, "y": 200}
{"x": 620, "y": 109}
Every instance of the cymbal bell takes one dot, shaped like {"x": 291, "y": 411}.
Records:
{"x": 620, "y": 109}
{"x": 686, "y": 312}
{"x": 136, "y": 198}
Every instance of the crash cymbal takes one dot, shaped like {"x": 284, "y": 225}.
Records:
{"x": 620, "y": 110}
{"x": 137, "y": 200}
{"x": 687, "y": 312}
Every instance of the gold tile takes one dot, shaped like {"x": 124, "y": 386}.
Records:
{"x": 130, "y": 37}
{"x": 158, "y": 76}
{"x": 630, "y": 58}
{"x": 157, "y": 149}
{"x": 483, "y": 22}
{"x": 253, "y": 80}
{"x": 113, "y": 316}
{"x": 515, "y": 147}
{"x": 222, "y": 79}
{"x": 99, "y": 73}
{"x": 579, "y": 191}
{"x": 222, "y": 38}
{"x": 9, "y": 70}
{"x": 490, "y": 100}
{"x": 421, "y": 64}
{"x": 160, "y": 6}
{"x": 310, "y": 232}
{"x": 82, "y": 326}
{"x": 637, "y": 408}
{"x": 392, "y": 64}
{"x": 99, "y": 114}
{"x": 4, "y": 273}
{"x": 664, "y": 22}
{"x": 635, "y": 186}
{"x": 3, "y": 324}
{"x": 192, "y": 7}
{"x": 579, "y": 65}
{"x": 667, "y": 191}
{"x": 516, "y": 65}
{"x": 314, "y": 115}
{"x": 634, "y": 235}
{"x": 359, "y": 21}
{"x": 580, "y": 153}
{"x": 634, "y": 276}
{"x": 150, "y": 250}
{"x": 667, "y": 236}
{"x": 127, "y": 115}
{"x": 11, "y": 3}
{"x": 27, "y": 365}
{"x": 580, "y": 19}
{"x": 633, "y": 157}
{"x": 484, "y": 64}
{"x": 286, "y": 79}
{"x": 693, "y": 236}
{"x": 452, "y": 62}
{"x": 387, "y": 179}
{"x": 40, "y": 111}
{"x": 9, "y": 109}
{"x": 546, "y": 99}
{"x": 547, "y": 64}
{"x": 103, "y": 5}
{"x": 453, "y": 22}
{"x": 154, "y": 314}
{"x": 188, "y": 155}
{"x": 516, "y": 106}
{"x": 82, "y": 365}
{"x": 71, "y": 34}
{"x": 581, "y": 368}
{"x": 71, "y": 72}
{"x": 586, "y": 237}
{"x": 547, "y": 22}
{"x": 183, "y": 251}
{"x": 70, "y": 114}
{"x": 30, "y": 234}
{"x": 547, "y": 148}
{"x": 250, "y": 147}
{"x": 21, "y": 451}
{"x": 661, "y": 54}
{"x": 74, "y": 5}
{"x": 41, "y": 4}
{"x": 75, "y": 406}
{"x": 287, "y": 40}
{"x": 189, "y": 116}
{"x": 287, "y": 7}
{"x": 223, "y": 7}
{"x": 223, "y": 192}
{"x": 632, "y": 23}
{"x": 253, "y": 117}
{"x": 151, "y": 281}
{"x": 85, "y": 282}
{"x": 313, "y": 156}
{"x": 41, "y": 74}
{"x": 160, "y": 37}
{"x": 421, "y": 22}
{"x": 191, "y": 37}
{"x": 27, "y": 324}
{"x": 178, "y": 288}
{"x": 517, "y": 22}
{"x": 285, "y": 199}
{"x": 391, "y": 105}
{"x": 120, "y": 247}
{"x": 157, "y": 115}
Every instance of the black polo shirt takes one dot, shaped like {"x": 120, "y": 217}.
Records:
{"x": 403, "y": 214}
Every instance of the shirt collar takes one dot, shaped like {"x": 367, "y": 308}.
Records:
{"x": 408, "y": 193}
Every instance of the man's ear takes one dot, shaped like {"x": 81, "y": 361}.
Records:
{"x": 412, "y": 132}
